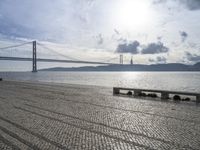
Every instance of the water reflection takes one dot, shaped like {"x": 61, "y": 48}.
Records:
{"x": 184, "y": 81}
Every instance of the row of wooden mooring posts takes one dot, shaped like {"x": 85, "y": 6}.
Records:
{"x": 165, "y": 95}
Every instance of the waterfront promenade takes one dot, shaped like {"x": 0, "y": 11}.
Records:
{"x": 63, "y": 116}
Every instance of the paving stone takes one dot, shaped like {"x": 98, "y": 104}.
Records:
{"x": 64, "y": 116}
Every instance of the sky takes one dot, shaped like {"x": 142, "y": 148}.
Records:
{"x": 150, "y": 31}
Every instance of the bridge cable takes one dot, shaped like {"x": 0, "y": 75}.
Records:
{"x": 111, "y": 59}
{"x": 42, "y": 45}
{"x": 14, "y": 46}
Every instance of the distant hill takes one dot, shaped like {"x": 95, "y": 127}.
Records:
{"x": 134, "y": 67}
{"x": 197, "y": 65}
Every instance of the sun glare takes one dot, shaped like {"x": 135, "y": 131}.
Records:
{"x": 132, "y": 14}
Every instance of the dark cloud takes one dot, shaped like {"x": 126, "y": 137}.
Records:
{"x": 155, "y": 48}
{"x": 128, "y": 47}
{"x": 99, "y": 39}
{"x": 192, "y": 57}
{"x": 159, "y": 59}
{"x": 183, "y": 35}
{"x": 189, "y": 4}
{"x": 192, "y": 4}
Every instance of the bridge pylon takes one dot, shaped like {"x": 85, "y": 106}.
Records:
{"x": 34, "y": 57}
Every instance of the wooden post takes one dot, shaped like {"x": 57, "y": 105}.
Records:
{"x": 164, "y": 95}
{"x": 198, "y": 98}
{"x": 137, "y": 92}
{"x": 115, "y": 91}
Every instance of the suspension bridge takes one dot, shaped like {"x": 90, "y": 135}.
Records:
{"x": 35, "y": 58}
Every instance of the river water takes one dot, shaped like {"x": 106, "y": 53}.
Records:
{"x": 180, "y": 81}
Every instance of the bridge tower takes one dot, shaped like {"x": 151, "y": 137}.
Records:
{"x": 34, "y": 57}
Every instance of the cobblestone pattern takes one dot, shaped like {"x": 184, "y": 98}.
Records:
{"x": 47, "y": 116}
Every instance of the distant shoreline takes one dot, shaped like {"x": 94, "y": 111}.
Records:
{"x": 173, "y": 67}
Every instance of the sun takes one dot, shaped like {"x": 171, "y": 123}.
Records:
{"x": 132, "y": 14}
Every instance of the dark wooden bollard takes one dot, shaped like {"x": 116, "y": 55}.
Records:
{"x": 115, "y": 91}
{"x": 153, "y": 95}
{"x": 198, "y": 98}
{"x": 142, "y": 94}
{"x": 1, "y": 79}
{"x": 186, "y": 99}
{"x": 176, "y": 98}
{"x": 164, "y": 95}
{"x": 129, "y": 93}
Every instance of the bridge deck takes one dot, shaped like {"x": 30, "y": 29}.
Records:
{"x": 52, "y": 60}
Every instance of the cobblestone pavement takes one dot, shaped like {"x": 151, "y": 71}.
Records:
{"x": 60, "y": 116}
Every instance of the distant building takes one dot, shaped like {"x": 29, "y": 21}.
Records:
{"x": 121, "y": 59}
{"x": 131, "y": 62}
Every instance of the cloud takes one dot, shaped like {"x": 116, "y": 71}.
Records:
{"x": 192, "y": 4}
{"x": 131, "y": 48}
{"x": 159, "y": 1}
{"x": 189, "y": 4}
{"x": 183, "y": 35}
{"x": 155, "y": 48}
{"x": 159, "y": 59}
{"x": 192, "y": 57}
{"x": 116, "y": 31}
{"x": 47, "y": 19}
{"x": 119, "y": 37}
{"x": 99, "y": 39}
{"x": 159, "y": 38}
